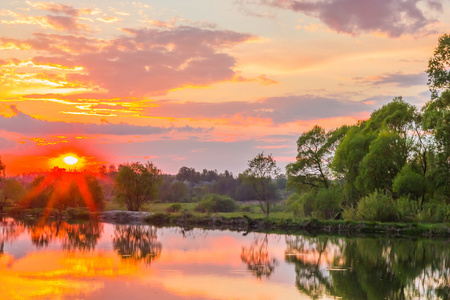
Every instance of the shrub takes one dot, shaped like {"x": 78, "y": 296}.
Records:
{"x": 216, "y": 203}
{"x": 246, "y": 208}
{"x": 176, "y": 207}
{"x": 406, "y": 209}
{"x": 378, "y": 206}
{"x": 434, "y": 212}
{"x": 327, "y": 203}
{"x": 306, "y": 203}
{"x": 409, "y": 183}
{"x": 349, "y": 213}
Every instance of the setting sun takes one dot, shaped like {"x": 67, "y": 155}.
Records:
{"x": 70, "y": 160}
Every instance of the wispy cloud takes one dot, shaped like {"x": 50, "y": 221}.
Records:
{"x": 398, "y": 79}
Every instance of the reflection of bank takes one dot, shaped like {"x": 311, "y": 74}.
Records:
{"x": 137, "y": 242}
{"x": 257, "y": 257}
{"x": 369, "y": 268}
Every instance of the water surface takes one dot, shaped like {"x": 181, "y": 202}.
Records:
{"x": 58, "y": 260}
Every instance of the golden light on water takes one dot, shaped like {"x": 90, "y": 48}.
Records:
{"x": 70, "y": 160}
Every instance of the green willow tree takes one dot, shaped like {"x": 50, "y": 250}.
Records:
{"x": 436, "y": 117}
{"x": 373, "y": 152}
{"x": 315, "y": 153}
{"x": 439, "y": 67}
{"x": 137, "y": 184}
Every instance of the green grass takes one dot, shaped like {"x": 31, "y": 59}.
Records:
{"x": 254, "y": 213}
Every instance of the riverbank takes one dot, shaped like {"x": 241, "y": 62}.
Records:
{"x": 246, "y": 222}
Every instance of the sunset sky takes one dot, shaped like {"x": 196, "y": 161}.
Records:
{"x": 200, "y": 83}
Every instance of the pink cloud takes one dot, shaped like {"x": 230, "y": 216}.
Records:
{"x": 55, "y": 8}
{"x": 65, "y": 23}
{"x": 147, "y": 61}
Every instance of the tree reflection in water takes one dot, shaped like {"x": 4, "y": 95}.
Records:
{"x": 307, "y": 255}
{"x": 82, "y": 237}
{"x": 73, "y": 237}
{"x": 9, "y": 231}
{"x": 137, "y": 242}
{"x": 370, "y": 268}
{"x": 258, "y": 258}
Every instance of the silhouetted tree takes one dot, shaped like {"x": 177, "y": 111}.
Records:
{"x": 137, "y": 184}
{"x": 260, "y": 173}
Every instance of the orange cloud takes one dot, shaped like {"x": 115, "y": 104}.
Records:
{"x": 58, "y": 23}
{"x": 149, "y": 62}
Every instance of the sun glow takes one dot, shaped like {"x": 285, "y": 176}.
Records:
{"x": 70, "y": 160}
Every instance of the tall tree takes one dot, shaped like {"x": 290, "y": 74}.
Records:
{"x": 436, "y": 116}
{"x": 439, "y": 67}
{"x": 383, "y": 138}
{"x": 137, "y": 184}
{"x": 259, "y": 174}
{"x": 315, "y": 153}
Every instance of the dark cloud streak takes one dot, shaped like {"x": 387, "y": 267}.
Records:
{"x": 398, "y": 79}
{"x": 25, "y": 124}
{"x": 279, "y": 109}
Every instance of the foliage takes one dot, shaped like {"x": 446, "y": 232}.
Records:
{"x": 436, "y": 119}
{"x": 373, "y": 152}
{"x": 216, "y": 203}
{"x": 137, "y": 184}
{"x": 292, "y": 205}
{"x": 409, "y": 183}
{"x": 434, "y": 212}
{"x": 246, "y": 208}
{"x": 315, "y": 152}
{"x": 377, "y": 206}
{"x": 60, "y": 190}
{"x": 386, "y": 156}
{"x": 175, "y": 207}
{"x": 259, "y": 174}
{"x": 438, "y": 66}
{"x": 406, "y": 209}
{"x": 322, "y": 203}
{"x": 327, "y": 203}
{"x": 2, "y": 169}
{"x": 11, "y": 191}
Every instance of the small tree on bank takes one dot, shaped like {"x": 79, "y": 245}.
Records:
{"x": 261, "y": 170}
{"x": 137, "y": 184}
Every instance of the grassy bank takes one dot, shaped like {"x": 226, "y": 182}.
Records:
{"x": 240, "y": 221}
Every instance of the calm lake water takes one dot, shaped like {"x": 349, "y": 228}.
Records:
{"x": 106, "y": 261}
